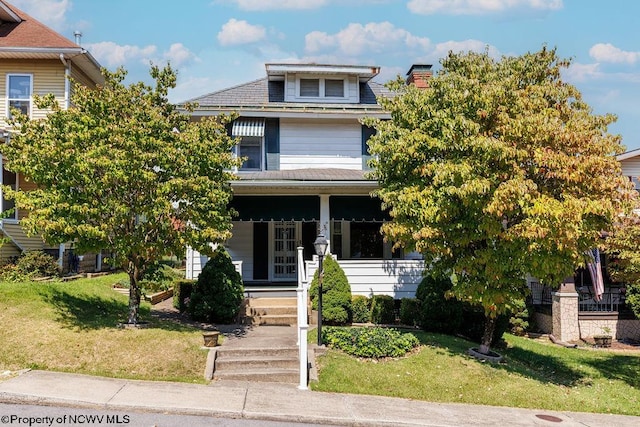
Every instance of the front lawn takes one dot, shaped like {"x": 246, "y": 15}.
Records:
{"x": 535, "y": 375}
{"x": 71, "y": 327}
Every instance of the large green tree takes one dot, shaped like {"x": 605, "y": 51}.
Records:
{"x": 122, "y": 169}
{"x": 498, "y": 170}
{"x": 623, "y": 246}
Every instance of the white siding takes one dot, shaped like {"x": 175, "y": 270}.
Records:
{"x": 240, "y": 247}
{"x": 398, "y": 278}
{"x": 631, "y": 167}
{"x": 320, "y": 143}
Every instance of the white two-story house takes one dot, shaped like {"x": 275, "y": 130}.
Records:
{"x": 305, "y": 174}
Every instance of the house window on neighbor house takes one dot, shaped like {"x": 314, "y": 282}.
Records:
{"x": 366, "y": 240}
{"x": 19, "y": 90}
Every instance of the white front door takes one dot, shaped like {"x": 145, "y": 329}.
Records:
{"x": 284, "y": 251}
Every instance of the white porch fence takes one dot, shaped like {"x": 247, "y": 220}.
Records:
{"x": 303, "y": 321}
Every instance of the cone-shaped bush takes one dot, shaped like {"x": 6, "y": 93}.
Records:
{"x": 336, "y": 293}
{"x": 218, "y": 293}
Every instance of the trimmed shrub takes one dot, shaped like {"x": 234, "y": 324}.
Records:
{"x": 182, "y": 289}
{"x": 437, "y": 313}
{"x": 218, "y": 293}
{"x": 370, "y": 342}
{"x": 410, "y": 311}
{"x": 519, "y": 320}
{"x": 383, "y": 310}
{"x": 336, "y": 293}
{"x": 361, "y": 306}
{"x": 633, "y": 298}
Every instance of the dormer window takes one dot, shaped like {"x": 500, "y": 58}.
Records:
{"x": 321, "y": 88}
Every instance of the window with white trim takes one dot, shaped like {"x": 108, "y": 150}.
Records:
{"x": 19, "y": 90}
{"x": 321, "y": 88}
{"x": 250, "y": 149}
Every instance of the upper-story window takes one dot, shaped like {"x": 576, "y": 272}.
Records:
{"x": 250, "y": 131}
{"x": 19, "y": 90}
{"x": 321, "y": 88}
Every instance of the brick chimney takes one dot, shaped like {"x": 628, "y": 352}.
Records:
{"x": 419, "y": 75}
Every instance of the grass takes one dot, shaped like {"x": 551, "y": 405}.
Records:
{"x": 535, "y": 375}
{"x": 72, "y": 327}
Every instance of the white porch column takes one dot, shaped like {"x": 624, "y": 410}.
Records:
{"x": 61, "y": 256}
{"x": 325, "y": 218}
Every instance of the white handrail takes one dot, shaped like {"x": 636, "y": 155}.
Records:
{"x": 303, "y": 325}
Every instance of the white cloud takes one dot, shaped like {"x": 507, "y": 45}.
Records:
{"x": 236, "y": 32}
{"x": 178, "y": 54}
{"x": 279, "y": 4}
{"x": 606, "y": 52}
{"x": 582, "y": 72}
{"x": 358, "y": 39}
{"x": 442, "y": 49}
{"x": 114, "y": 55}
{"x": 478, "y": 7}
{"x": 49, "y": 12}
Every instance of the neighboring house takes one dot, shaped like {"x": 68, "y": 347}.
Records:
{"x": 34, "y": 59}
{"x": 305, "y": 173}
{"x": 575, "y": 312}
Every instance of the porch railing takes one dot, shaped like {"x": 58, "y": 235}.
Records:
{"x": 303, "y": 325}
{"x": 612, "y": 300}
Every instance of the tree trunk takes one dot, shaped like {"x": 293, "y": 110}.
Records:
{"x": 487, "y": 336}
{"x": 134, "y": 294}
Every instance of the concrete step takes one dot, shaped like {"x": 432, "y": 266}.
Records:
{"x": 235, "y": 353}
{"x": 291, "y": 376}
{"x": 278, "y": 309}
{"x": 265, "y": 363}
{"x": 274, "y": 320}
{"x": 272, "y": 302}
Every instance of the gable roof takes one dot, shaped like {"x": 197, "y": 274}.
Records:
{"x": 265, "y": 97}
{"x": 24, "y": 37}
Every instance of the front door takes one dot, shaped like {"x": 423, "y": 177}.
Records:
{"x": 284, "y": 250}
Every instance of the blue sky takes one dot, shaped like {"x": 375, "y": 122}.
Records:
{"x": 216, "y": 44}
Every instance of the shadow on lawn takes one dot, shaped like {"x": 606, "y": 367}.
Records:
{"x": 94, "y": 312}
{"x": 562, "y": 369}
{"x": 539, "y": 367}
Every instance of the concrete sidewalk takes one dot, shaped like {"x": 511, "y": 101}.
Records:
{"x": 277, "y": 402}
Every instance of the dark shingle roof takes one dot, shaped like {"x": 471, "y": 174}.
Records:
{"x": 263, "y": 93}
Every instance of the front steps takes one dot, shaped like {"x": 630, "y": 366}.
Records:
{"x": 257, "y": 364}
{"x": 268, "y": 352}
{"x": 271, "y": 311}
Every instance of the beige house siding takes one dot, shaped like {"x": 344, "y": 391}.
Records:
{"x": 18, "y": 235}
{"x": 48, "y": 77}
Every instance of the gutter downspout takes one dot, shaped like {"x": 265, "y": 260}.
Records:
{"x": 67, "y": 81}
{"x": 67, "y": 89}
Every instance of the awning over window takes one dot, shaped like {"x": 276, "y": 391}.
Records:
{"x": 357, "y": 208}
{"x": 276, "y": 208}
{"x": 248, "y": 127}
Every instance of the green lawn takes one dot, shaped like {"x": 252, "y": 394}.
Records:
{"x": 535, "y": 375}
{"x": 71, "y": 326}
